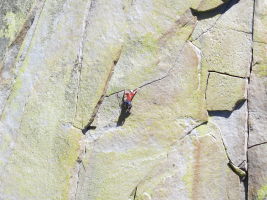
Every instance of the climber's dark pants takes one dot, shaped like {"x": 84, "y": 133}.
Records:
{"x": 127, "y": 105}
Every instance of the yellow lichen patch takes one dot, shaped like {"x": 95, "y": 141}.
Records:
{"x": 16, "y": 87}
{"x": 262, "y": 193}
{"x": 14, "y": 22}
{"x": 224, "y": 92}
{"x": 150, "y": 42}
{"x": 261, "y": 70}
{"x": 68, "y": 153}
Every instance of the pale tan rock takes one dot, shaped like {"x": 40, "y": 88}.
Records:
{"x": 39, "y": 147}
{"x": 257, "y": 188}
{"x": 70, "y": 68}
{"x": 238, "y": 17}
{"x": 257, "y": 134}
{"x": 218, "y": 47}
{"x": 211, "y": 4}
{"x": 13, "y": 17}
{"x": 224, "y": 92}
{"x": 217, "y": 37}
{"x": 120, "y": 156}
{"x": 260, "y": 22}
{"x": 192, "y": 170}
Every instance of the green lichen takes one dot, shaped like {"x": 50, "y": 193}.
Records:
{"x": 68, "y": 154}
{"x": 15, "y": 91}
{"x": 261, "y": 70}
{"x": 14, "y": 22}
{"x": 262, "y": 193}
{"x": 150, "y": 43}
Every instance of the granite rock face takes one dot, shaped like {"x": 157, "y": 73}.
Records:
{"x": 197, "y": 128}
{"x": 224, "y": 91}
{"x": 257, "y": 103}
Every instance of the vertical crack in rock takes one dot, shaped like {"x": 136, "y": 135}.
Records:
{"x": 133, "y": 194}
{"x": 11, "y": 62}
{"x": 102, "y": 97}
{"x": 254, "y": 145}
{"x": 79, "y": 61}
{"x": 82, "y": 154}
{"x": 76, "y": 74}
{"x": 78, "y": 178}
{"x": 246, "y": 182}
{"x": 78, "y": 172}
{"x": 206, "y": 89}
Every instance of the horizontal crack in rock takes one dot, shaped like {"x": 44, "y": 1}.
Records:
{"x": 226, "y": 74}
{"x": 254, "y": 145}
{"x": 190, "y": 131}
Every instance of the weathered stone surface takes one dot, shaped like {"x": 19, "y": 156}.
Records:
{"x": 16, "y": 51}
{"x": 257, "y": 137}
{"x": 260, "y": 22}
{"x": 137, "y": 43}
{"x": 192, "y": 170}
{"x": 233, "y": 128}
{"x": 218, "y": 36}
{"x": 257, "y": 105}
{"x": 144, "y": 139}
{"x": 38, "y": 145}
{"x": 238, "y": 16}
{"x": 64, "y": 66}
{"x": 257, "y": 172}
{"x": 98, "y": 57}
{"x": 257, "y": 121}
{"x": 217, "y": 46}
{"x": 224, "y": 91}
{"x": 12, "y": 18}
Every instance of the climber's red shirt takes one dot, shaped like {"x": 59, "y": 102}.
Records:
{"x": 129, "y": 95}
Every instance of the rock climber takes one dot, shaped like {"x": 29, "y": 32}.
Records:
{"x": 128, "y": 97}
